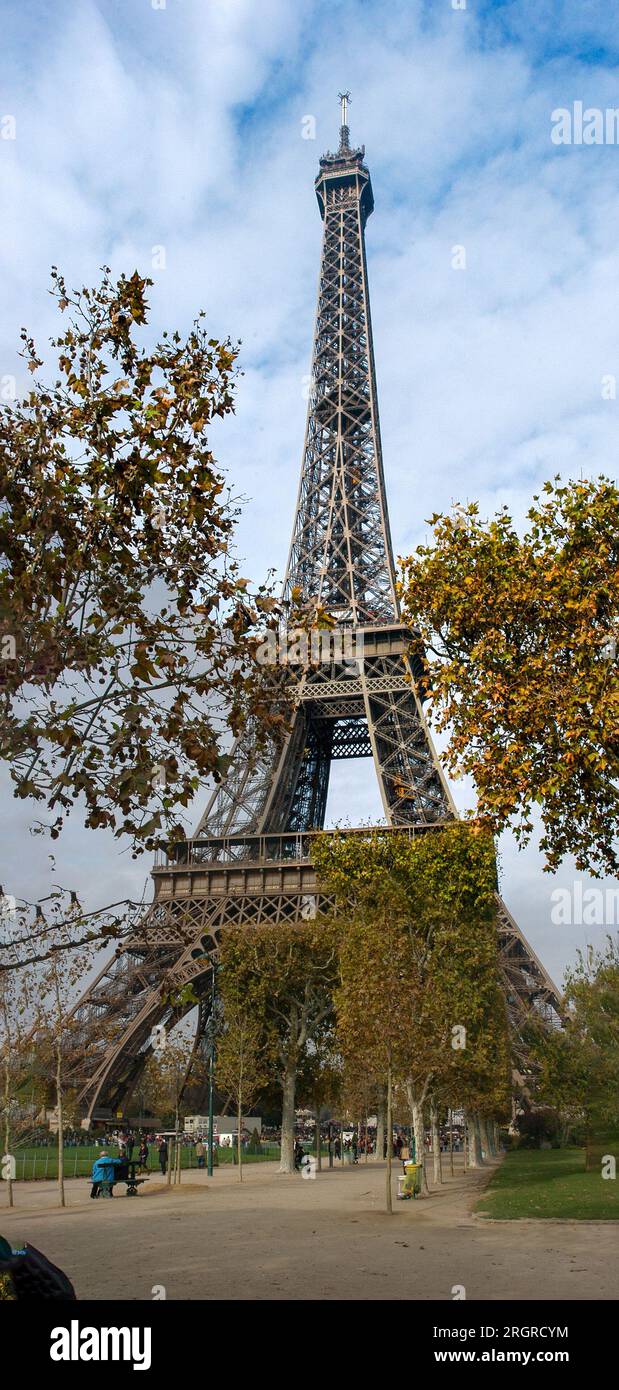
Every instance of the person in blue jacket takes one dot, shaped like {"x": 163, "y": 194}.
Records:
{"x": 102, "y": 1171}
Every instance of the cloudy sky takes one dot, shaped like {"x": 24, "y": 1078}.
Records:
{"x": 179, "y": 125}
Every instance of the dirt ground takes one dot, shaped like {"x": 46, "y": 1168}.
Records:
{"x": 277, "y": 1237}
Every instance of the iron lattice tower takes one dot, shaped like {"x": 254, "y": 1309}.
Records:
{"x": 250, "y": 858}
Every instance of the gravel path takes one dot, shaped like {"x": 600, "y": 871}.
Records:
{"x": 277, "y": 1237}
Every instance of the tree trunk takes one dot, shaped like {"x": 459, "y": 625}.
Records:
{"x": 475, "y": 1159}
{"x": 7, "y": 1127}
{"x": 471, "y": 1153}
{"x": 60, "y": 1125}
{"x": 389, "y": 1141}
{"x": 286, "y": 1161}
{"x": 418, "y": 1130}
{"x": 487, "y": 1137}
{"x": 380, "y": 1129}
{"x": 437, "y": 1175}
{"x": 178, "y": 1149}
{"x": 239, "y": 1121}
{"x": 483, "y": 1138}
{"x": 318, "y": 1153}
{"x": 59, "y": 1111}
{"x": 480, "y": 1152}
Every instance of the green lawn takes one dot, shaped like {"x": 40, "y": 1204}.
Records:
{"x": 547, "y": 1183}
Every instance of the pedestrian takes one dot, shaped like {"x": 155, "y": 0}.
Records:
{"x": 163, "y": 1157}
{"x": 143, "y": 1155}
{"x": 129, "y": 1145}
{"x": 337, "y": 1147}
{"x": 299, "y": 1154}
{"x": 355, "y": 1149}
{"x": 200, "y": 1151}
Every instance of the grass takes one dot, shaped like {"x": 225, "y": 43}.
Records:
{"x": 547, "y": 1184}
{"x": 39, "y": 1162}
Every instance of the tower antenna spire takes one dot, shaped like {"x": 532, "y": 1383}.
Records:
{"x": 344, "y": 132}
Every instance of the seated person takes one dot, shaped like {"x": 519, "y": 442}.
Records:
{"x": 103, "y": 1171}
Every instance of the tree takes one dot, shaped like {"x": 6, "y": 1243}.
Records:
{"x": 375, "y": 1000}
{"x": 421, "y": 997}
{"x": 576, "y": 1069}
{"x": 592, "y": 993}
{"x": 518, "y": 638}
{"x": 242, "y": 1060}
{"x": 126, "y": 630}
{"x": 319, "y": 1080}
{"x": 33, "y": 939}
{"x": 19, "y": 1103}
{"x": 163, "y": 1085}
{"x": 286, "y": 974}
{"x": 53, "y": 1038}
{"x": 42, "y": 962}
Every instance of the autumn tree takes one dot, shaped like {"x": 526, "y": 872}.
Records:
{"x": 592, "y": 993}
{"x": 45, "y": 951}
{"x": 29, "y": 938}
{"x": 285, "y": 973}
{"x": 320, "y": 1080}
{"x": 243, "y": 1058}
{"x": 163, "y": 1084}
{"x": 21, "y": 1093}
{"x": 518, "y": 635}
{"x": 375, "y": 1000}
{"x": 126, "y": 629}
{"x": 57, "y": 1033}
{"x": 576, "y": 1069}
{"x": 419, "y": 914}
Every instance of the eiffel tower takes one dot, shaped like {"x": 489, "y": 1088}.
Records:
{"x": 250, "y": 859}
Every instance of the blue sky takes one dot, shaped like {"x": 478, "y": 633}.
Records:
{"x": 181, "y": 127}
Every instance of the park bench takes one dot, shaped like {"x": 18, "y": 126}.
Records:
{"x": 123, "y": 1171}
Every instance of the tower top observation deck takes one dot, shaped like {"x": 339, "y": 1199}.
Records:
{"x": 343, "y": 174}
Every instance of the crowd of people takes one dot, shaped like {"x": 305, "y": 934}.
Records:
{"x": 338, "y": 1142}
{"x": 136, "y": 1148}
{"x": 335, "y": 1140}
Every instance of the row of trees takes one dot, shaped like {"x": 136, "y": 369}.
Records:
{"x": 42, "y": 1036}
{"x": 391, "y": 998}
{"x": 576, "y": 1069}
{"x": 42, "y": 968}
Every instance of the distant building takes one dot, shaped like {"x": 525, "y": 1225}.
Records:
{"x": 224, "y": 1126}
